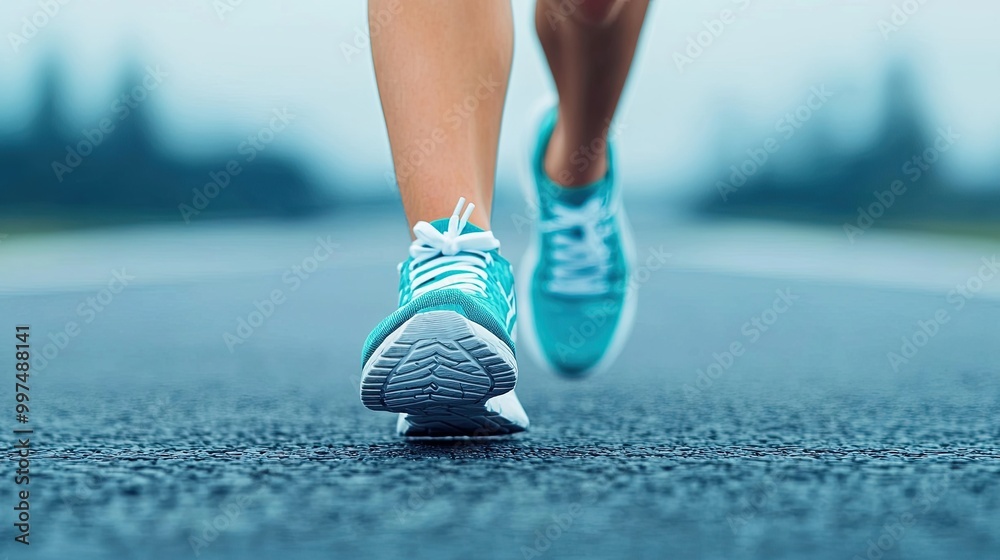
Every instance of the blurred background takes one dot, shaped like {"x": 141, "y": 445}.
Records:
{"x": 181, "y": 90}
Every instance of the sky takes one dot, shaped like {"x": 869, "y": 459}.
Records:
{"x": 229, "y": 64}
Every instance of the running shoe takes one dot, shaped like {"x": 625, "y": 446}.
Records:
{"x": 445, "y": 359}
{"x": 578, "y": 301}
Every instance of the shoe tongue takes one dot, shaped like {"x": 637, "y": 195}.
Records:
{"x": 442, "y": 226}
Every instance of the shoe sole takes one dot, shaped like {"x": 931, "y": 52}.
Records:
{"x": 467, "y": 422}
{"x": 438, "y": 365}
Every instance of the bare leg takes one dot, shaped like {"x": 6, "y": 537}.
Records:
{"x": 442, "y": 68}
{"x": 589, "y": 53}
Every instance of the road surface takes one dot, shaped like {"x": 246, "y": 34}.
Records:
{"x": 797, "y": 436}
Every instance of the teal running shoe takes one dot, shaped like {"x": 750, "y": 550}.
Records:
{"x": 445, "y": 359}
{"x": 580, "y": 303}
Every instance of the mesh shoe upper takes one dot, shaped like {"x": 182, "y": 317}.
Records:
{"x": 453, "y": 265}
{"x": 579, "y": 283}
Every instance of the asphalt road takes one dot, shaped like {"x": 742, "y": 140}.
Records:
{"x": 809, "y": 444}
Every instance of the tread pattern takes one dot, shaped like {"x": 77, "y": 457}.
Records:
{"x": 436, "y": 360}
{"x": 470, "y": 421}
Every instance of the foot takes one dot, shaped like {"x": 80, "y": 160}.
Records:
{"x": 445, "y": 359}
{"x": 580, "y": 303}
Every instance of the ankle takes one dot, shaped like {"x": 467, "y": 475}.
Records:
{"x": 572, "y": 163}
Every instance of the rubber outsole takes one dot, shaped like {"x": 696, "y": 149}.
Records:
{"x": 438, "y": 365}
{"x": 473, "y": 421}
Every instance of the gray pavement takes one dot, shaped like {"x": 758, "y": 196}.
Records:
{"x": 808, "y": 444}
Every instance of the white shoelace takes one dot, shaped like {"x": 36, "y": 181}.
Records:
{"x": 580, "y": 263}
{"x": 462, "y": 256}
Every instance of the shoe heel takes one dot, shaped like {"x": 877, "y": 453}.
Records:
{"x": 437, "y": 359}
